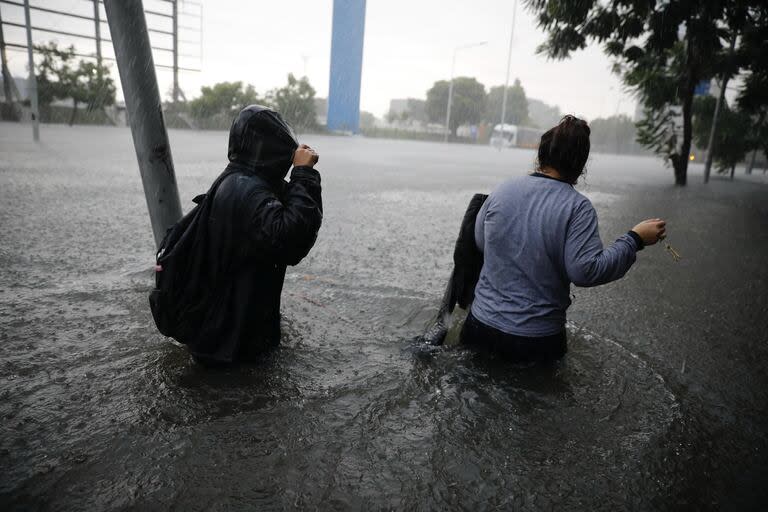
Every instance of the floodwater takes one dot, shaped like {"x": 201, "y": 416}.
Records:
{"x": 659, "y": 404}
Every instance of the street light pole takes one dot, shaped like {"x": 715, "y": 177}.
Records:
{"x": 450, "y": 86}
{"x": 450, "y": 99}
{"x": 506, "y": 83}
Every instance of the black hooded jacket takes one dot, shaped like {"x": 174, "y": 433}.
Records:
{"x": 258, "y": 224}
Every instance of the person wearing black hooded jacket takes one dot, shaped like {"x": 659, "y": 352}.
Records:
{"x": 258, "y": 224}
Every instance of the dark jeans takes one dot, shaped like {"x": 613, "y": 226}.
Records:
{"x": 477, "y": 335}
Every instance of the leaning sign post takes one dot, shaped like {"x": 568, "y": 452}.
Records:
{"x": 133, "y": 53}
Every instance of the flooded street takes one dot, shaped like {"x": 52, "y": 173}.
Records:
{"x": 660, "y": 403}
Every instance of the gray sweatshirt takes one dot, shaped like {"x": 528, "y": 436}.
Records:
{"x": 538, "y": 236}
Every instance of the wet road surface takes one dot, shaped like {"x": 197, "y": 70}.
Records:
{"x": 660, "y": 403}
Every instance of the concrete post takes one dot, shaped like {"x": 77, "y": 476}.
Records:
{"x": 142, "y": 100}
{"x": 97, "y": 26}
{"x": 450, "y": 100}
{"x": 175, "y": 93}
{"x": 32, "y": 87}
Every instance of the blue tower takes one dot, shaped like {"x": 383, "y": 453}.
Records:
{"x": 346, "y": 65}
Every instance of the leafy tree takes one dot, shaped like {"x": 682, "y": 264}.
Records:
{"x": 223, "y": 98}
{"x": 753, "y": 101}
{"x": 296, "y": 102}
{"x": 517, "y": 105}
{"x": 93, "y": 87}
{"x": 543, "y": 115}
{"x": 753, "y": 96}
{"x": 661, "y": 49}
{"x": 367, "y": 120}
{"x": 467, "y": 105}
{"x": 55, "y": 73}
{"x": 58, "y": 78}
{"x": 731, "y": 142}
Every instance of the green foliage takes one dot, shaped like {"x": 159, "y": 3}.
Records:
{"x": 615, "y": 134}
{"x": 59, "y": 78}
{"x": 731, "y": 137}
{"x": 94, "y": 87}
{"x": 657, "y": 131}
{"x": 467, "y": 106}
{"x": 367, "y": 120}
{"x": 296, "y": 102}
{"x": 542, "y": 115}
{"x": 223, "y": 98}
{"x": 55, "y": 72}
{"x": 753, "y": 96}
{"x": 661, "y": 49}
{"x": 517, "y": 105}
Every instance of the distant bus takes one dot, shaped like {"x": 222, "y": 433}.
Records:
{"x": 514, "y": 136}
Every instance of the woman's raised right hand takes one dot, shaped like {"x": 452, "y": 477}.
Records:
{"x": 651, "y": 230}
{"x": 305, "y": 156}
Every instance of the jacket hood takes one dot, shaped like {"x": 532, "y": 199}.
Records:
{"x": 262, "y": 141}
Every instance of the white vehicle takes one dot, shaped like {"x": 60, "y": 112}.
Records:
{"x": 514, "y": 136}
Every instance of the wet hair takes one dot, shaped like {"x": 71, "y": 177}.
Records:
{"x": 565, "y": 148}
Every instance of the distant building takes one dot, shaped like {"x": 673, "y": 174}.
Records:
{"x": 408, "y": 109}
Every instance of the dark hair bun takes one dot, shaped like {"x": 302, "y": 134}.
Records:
{"x": 565, "y": 148}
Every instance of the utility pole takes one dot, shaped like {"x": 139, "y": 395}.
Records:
{"x": 175, "y": 93}
{"x": 506, "y": 83}
{"x": 142, "y": 100}
{"x": 450, "y": 86}
{"x": 713, "y": 129}
{"x": 97, "y": 26}
{"x": 32, "y": 87}
{"x": 450, "y": 99}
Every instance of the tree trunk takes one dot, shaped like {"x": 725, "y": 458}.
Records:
{"x": 680, "y": 161}
{"x": 74, "y": 113}
{"x": 752, "y": 162}
{"x": 733, "y": 171}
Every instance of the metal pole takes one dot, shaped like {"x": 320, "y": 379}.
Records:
{"x": 175, "y": 93}
{"x": 506, "y": 83}
{"x": 142, "y": 100}
{"x": 450, "y": 99}
{"x": 32, "y": 87}
{"x": 713, "y": 129}
{"x": 97, "y": 26}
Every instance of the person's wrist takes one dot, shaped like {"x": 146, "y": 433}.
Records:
{"x": 637, "y": 238}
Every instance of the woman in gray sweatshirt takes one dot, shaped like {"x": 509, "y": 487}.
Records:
{"x": 538, "y": 235}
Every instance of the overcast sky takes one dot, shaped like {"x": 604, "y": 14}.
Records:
{"x": 408, "y": 46}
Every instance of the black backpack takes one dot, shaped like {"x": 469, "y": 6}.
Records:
{"x": 179, "y": 300}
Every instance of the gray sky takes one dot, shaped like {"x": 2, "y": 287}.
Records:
{"x": 408, "y": 46}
